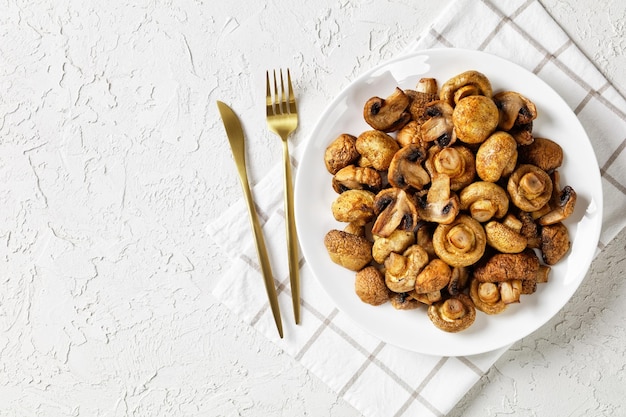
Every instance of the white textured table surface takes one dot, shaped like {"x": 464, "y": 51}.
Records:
{"x": 112, "y": 161}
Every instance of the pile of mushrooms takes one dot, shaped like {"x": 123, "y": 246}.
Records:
{"x": 449, "y": 200}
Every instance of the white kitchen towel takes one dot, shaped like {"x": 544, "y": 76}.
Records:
{"x": 379, "y": 379}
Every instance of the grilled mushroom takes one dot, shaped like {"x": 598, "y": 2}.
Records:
{"x": 504, "y": 238}
{"x": 350, "y": 251}
{"x": 405, "y": 169}
{"x": 529, "y": 187}
{"x": 543, "y": 153}
{"x": 474, "y": 79}
{"x": 438, "y": 126}
{"x": 562, "y": 203}
{"x": 357, "y": 178}
{"x": 486, "y": 297}
{"x": 387, "y": 115}
{"x": 425, "y": 91}
{"x": 341, "y": 153}
{"x": 354, "y": 206}
{"x": 441, "y": 205}
{"x": 484, "y": 200}
{"x": 496, "y": 157}
{"x": 411, "y": 133}
{"x": 401, "y": 269}
{"x": 396, "y": 210}
{"x": 398, "y": 242}
{"x": 370, "y": 287}
{"x": 457, "y": 162}
{"x": 515, "y": 109}
{"x": 454, "y": 314}
{"x": 475, "y": 118}
{"x": 378, "y": 148}
{"x": 434, "y": 277}
{"x": 461, "y": 243}
{"x": 507, "y": 266}
{"x": 555, "y": 243}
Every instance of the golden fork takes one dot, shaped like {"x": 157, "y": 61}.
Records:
{"x": 282, "y": 119}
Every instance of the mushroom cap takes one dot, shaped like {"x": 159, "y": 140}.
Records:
{"x": 475, "y": 118}
{"x": 340, "y": 153}
{"x": 405, "y": 169}
{"x": 377, "y": 147}
{"x": 555, "y": 243}
{"x": 515, "y": 109}
{"x": 388, "y": 114}
{"x": 403, "y": 301}
{"x": 484, "y": 200}
{"x": 456, "y": 161}
{"x": 369, "y": 285}
{"x": 398, "y": 242}
{"x": 396, "y": 210}
{"x": 441, "y": 205}
{"x": 562, "y": 203}
{"x": 503, "y": 238}
{"x": 543, "y": 153}
{"x": 357, "y": 178}
{"x": 529, "y": 187}
{"x": 472, "y": 78}
{"x": 434, "y": 277}
{"x": 425, "y": 91}
{"x": 506, "y": 266}
{"x": 461, "y": 243}
{"x": 453, "y": 314}
{"x": 411, "y": 133}
{"x": 350, "y": 251}
{"x": 496, "y": 157}
{"x": 354, "y": 206}
{"x": 401, "y": 270}
{"x": 486, "y": 297}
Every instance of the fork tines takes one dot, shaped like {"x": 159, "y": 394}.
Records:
{"x": 285, "y": 102}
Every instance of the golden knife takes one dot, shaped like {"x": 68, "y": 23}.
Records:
{"x": 235, "y": 135}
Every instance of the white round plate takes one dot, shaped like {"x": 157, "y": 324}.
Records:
{"x": 412, "y": 329}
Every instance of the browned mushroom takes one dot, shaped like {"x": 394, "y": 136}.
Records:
{"x": 458, "y": 280}
{"x": 461, "y": 243}
{"x": 350, "y": 251}
{"x": 340, "y": 153}
{"x": 529, "y": 187}
{"x": 404, "y": 301}
{"x": 475, "y": 79}
{"x": 370, "y": 287}
{"x": 529, "y": 229}
{"x": 405, "y": 169}
{"x": 387, "y": 115}
{"x": 562, "y": 203}
{"x": 484, "y": 200}
{"x": 396, "y": 210}
{"x": 378, "y": 148}
{"x": 354, "y": 206}
{"x": 454, "y": 314}
{"x": 486, "y": 297}
{"x": 515, "y": 109}
{"x": 475, "y": 118}
{"x": 441, "y": 205}
{"x": 438, "y": 126}
{"x": 425, "y": 91}
{"x": 507, "y": 266}
{"x": 504, "y": 238}
{"x": 496, "y": 157}
{"x": 555, "y": 243}
{"x": 542, "y": 152}
{"x": 434, "y": 277}
{"x": 357, "y": 178}
{"x": 411, "y": 133}
{"x": 457, "y": 162}
{"x": 401, "y": 269}
{"x": 510, "y": 291}
{"x": 398, "y": 242}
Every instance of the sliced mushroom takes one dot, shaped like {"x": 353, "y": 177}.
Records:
{"x": 405, "y": 169}
{"x": 496, "y": 157}
{"x": 542, "y": 152}
{"x": 529, "y": 229}
{"x": 377, "y": 148}
{"x": 350, "y": 251}
{"x": 486, "y": 297}
{"x": 461, "y": 243}
{"x": 388, "y": 114}
{"x": 425, "y": 91}
{"x": 438, "y": 126}
{"x": 398, "y": 242}
{"x": 354, "y": 206}
{"x": 340, "y": 153}
{"x": 427, "y": 298}
{"x": 484, "y": 200}
{"x": 441, "y": 205}
{"x": 507, "y": 266}
{"x": 561, "y": 204}
{"x": 457, "y": 162}
{"x": 503, "y": 238}
{"x": 523, "y": 134}
{"x": 475, "y": 118}
{"x": 515, "y": 109}
{"x": 555, "y": 243}
{"x": 357, "y": 178}
{"x": 434, "y": 277}
{"x": 458, "y": 280}
{"x": 370, "y": 287}
{"x": 401, "y": 269}
{"x": 454, "y": 314}
{"x": 396, "y": 210}
{"x": 471, "y": 78}
{"x": 529, "y": 187}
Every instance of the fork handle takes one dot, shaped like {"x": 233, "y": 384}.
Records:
{"x": 292, "y": 237}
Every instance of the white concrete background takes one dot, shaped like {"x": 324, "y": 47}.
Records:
{"x": 112, "y": 160}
